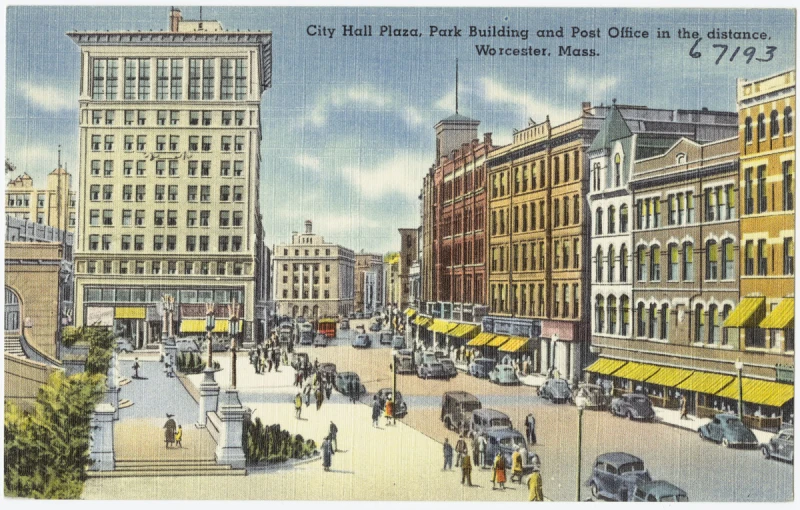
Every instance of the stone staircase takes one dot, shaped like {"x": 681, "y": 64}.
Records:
{"x": 140, "y": 468}
{"x": 11, "y": 345}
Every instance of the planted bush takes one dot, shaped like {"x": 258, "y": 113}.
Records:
{"x": 270, "y": 443}
{"x": 192, "y": 363}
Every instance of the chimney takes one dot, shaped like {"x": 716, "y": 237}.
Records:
{"x": 586, "y": 106}
{"x": 174, "y": 19}
{"x": 487, "y": 138}
{"x": 308, "y": 226}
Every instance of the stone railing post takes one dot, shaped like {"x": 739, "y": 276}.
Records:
{"x": 101, "y": 439}
{"x": 231, "y": 413}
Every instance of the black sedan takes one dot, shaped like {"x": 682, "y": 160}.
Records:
{"x": 728, "y": 430}
{"x": 633, "y": 406}
{"x": 555, "y": 390}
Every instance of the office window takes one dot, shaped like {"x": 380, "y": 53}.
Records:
{"x": 598, "y": 267}
{"x": 158, "y": 243}
{"x": 748, "y": 191}
{"x": 762, "y": 257}
{"x": 762, "y": 188}
{"x": 161, "y": 167}
{"x": 191, "y": 243}
{"x": 788, "y": 186}
{"x": 699, "y": 324}
{"x": 203, "y": 246}
{"x": 161, "y": 118}
{"x": 204, "y": 216}
{"x": 174, "y": 117}
{"x": 749, "y": 258}
{"x": 224, "y": 193}
{"x": 206, "y": 143}
{"x": 774, "y": 125}
{"x": 94, "y": 242}
{"x": 108, "y": 168}
{"x": 172, "y": 193}
{"x": 104, "y": 78}
{"x": 238, "y": 193}
{"x": 600, "y": 313}
{"x": 173, "y": 168}
{"x": 227, "y": 117}
{"x": 205, "y": 168}
{"x": 239, "y": 144}
{"x": 108, "y": 217}
{"x": 223, "y": 243}
{"x": 141, "y": 143}
{"x": 195, "y": 71}
{"x": 194, "y": 142}
{"x": 624, "y": 306}
{"x": 748, "y": 130}
{"x": 761, "y": 126}
{"x": 140, "y": 192}
{"x": 641, "y": 259}
{"x": 688, "y": 262}
{"x": 788, "y": 256}
{"x": 138, "y": 243}
{"x": 94, "y": 193}
{"x": 612, "y": 264}
{"x": 787, "y": 121}
{"x": 140, "y": 217}
{"x": 172, "y": 218}
{"x": 224, "y": 218}
{"x": 192, "y": 194}
{"x": 712, "y": 259}
{"x": 598, "y": 221}
{"x": 159, "y": 195}
{"x": 236, "y": 243}
{"x": 191, "y": 218}
{"x": 109, "y": 117}
{"x": 239, "y": 117}
{"x": 205, "y": 193}
{"x": 208, "y": 78}
{"x": 641, "y": 325}
{"x": 238, "y": 217}
{"x": 238, "y": 168}
{"x": 125, "y": 245}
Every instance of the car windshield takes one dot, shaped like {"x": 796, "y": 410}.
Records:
{"x": 470, "y": 406}
{"x": 512, "y": 442}
{"x": 560, "y": 384}
{"x": 630, "y": 467}
{"x": 639, "y": 399}
{"x": 735, "y": 423}
{"x": 500, "y": 422}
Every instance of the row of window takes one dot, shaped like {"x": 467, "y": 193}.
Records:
{"x": 154, "y": 295}
{"x": 462, "y": 222}
{"x": 160, "y": 267}
{"x": 756, "y": 257}
{"x": 139, "y": 194}
{"x": 164, "y": 243}
{"x": 462, "y": 288}
{"x": 461, "y": 185}
{"x": 24, "y": 200}
{"x": 169, "y": 82}
{"x": 565, "y": 167}
{"x": 306, "y": 253}
{"x": 532, "y": 256}
{"x": 615, "y": 178}
{"x": 306, "y": 267}
{"x": 305, "y": 294}
{"x": 173, "y": 117}
{"x": 774, "y": 123}
{"x": 611, "y": 220}
{"x": 162, "y": 168}
{"x": 459, "y": 254}
{"x": 169, "y": 218}
{"x": 758, "y": 204}
{"x": 172, "y": 143}
{"x": 314, "y": 281}
{"x": 530, "y": 300}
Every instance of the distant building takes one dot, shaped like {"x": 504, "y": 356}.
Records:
{"x": 313, "y": 278}
{"x": 392, "y": 271}
{"x": 408, "y": 255}
{"x": 54, "y": 205}
{"x": 369, "y": 283}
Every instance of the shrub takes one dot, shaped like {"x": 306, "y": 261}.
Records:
{"x": 192, "y": 363}
{"x": 270, "y": 443}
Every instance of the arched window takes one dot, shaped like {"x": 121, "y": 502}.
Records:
{"x": 640, "y": 323}
{"x": 699, "y": 323}
{"x": 598, "y": 269}
{"x": 713, "y": 325}
{"x": 641, "y": 264}
{"x": 599, "y": 314}
{"x": 11, "y": 322}
{"x": 655, "y": 263}
{"x": 612, "y": 315}
{"x": 617, "y": 170}
{"x": 599, "y": 221}
{"x": 664, "y": 322}
{"x": 787, "y": 121}
{"x": 652, "y": 331}
{"x": 674, "y": 257}
{"x": 688, "y": 262}
{"x": 623, "y": 264}
{"x": 748, "y": 130}
{"x": 625, "y": 308}
{"x": 596, "y": 176}
{"x": 612, "y": 219}
{"x": 774, "y": 126}
{"x": 623, "y": 219}
{"x": 611, "y": 264}
{"x": 712, "y": 258}
{"x": 762, "y": 126}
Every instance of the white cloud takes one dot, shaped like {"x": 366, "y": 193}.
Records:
{"x": 308, "y": 161}
{"x": 361, "y": 96}
{"x": 496, "y": 92}
{"x": 401, "y": 173}
{"x": 49, "y": 98}
{"x": 595, "y": 87}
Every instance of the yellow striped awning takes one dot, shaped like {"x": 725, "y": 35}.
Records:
{"x": 705, "y": 382}
{"x": 756, "y": 391}
{"x": 199, "y": 326}
{"x": 440, "y": 326}
{"x": 130, "y": 312}
{"x": 747, "y": 314}
{"x": 515, "y": 344}
{"x": 410, "y": 312}
{"x": 670, "y": 377}
{"x": 636, "y": 371}
{"x": 464, "y": 330}
{"x": 605, "y": 366}
{"x": 781, "y": 317}
{"x": 497, "y": 341}
{"x": 481, "y": 339}
{"x": 422, "y": 321}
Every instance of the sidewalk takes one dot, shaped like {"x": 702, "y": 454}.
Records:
{"x": 671, "y": 417}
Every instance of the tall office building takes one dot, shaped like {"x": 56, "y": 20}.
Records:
{"x": 170, "y": 137}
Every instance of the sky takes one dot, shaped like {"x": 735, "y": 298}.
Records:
{"x": 348, "y": 124}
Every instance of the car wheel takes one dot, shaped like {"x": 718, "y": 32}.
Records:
{"x": 700, "y": 433}
{"x": 725, "y": 442}
{"x": 629, "y": 415}
{"x": 595, "y": 490}
{"x": 448, "y": 423}
{"x": 765, "y": 452}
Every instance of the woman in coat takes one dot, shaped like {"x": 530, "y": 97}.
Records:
{"x": 516, "y": 465}
{"x": 327, "y": 453}
{"x": 499, "y": 471}
{"x": 535, "y": 486}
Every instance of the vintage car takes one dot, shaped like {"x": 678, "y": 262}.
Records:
{"x": 218, "y": 344}
{"x": 431, "y": 371}
{"x": 555, "y": 390}
{"x": 457, "y": 407}
{"x": 616, "y": 474}
{"x": 344, "y": 324}
{"x": 728, "y": 430}
{"x": 320, "y": 340}
{"x": 359, "y": 315}
{"x": 591, "y": 396}
{"x": 362, "y": 342}
{"x": 633, "y": 406}
{"x": 299, "y": 360}
{"x": 375, "y": 327}
{"x": 183, "y": 345}
{"x": 306, "y": 338}
{"x": 781, "y": 446}
{"x": 506, "y": 441}
{"x": 481, "y": 367}
{"x": 344, "y": 383}
{"x": 405, "y": 362}
{"x": 125, "y": 345}
{"x": 398, "y": 343}
{"x": 327, "y": 370}
{"x": 360, "y": 329}
{"x": 485, "y": 419}
{"x": 658, "y": 491}
{"x": 385, "y": 338}
{"x": 449, "y": 367}
{"x": 400, "y": 407}
{"x": 503, "y": 374}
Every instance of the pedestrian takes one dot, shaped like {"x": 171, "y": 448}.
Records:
{"x": 178, "y": 437}
{"x": 466, "y": 470}
{"x": 389, "y": 411}
{"x": 475, "y": 448}
{"x": 482, "y": 450}
{"x": 319, "y": 397}
{"x": 683, "y": 407}
{"x": 448, "y": 455}
{"x": 269, "y": 360}
{"x": 136, "y": 368}
{"x": 376, "y": 410}
{"x": 535, "y": 485}
{"x": 316, "y": 365}
{"x": 169, "y": 430}
{"x": 285, "y": 357}
{"x": 516, "y": 465}
{"x": 499, "y": 471}
{"x": 298, "y": 405}
{"x": 307, "y": 393}
{"x": 332, "y": 431}
{"x": 530, "y": 428}
{"x": 276, "y": 355}
{"x": 461, "y": 448}
{"x": 327, "y": 453}
{"x": 328, "y": 388}
{"x": 550, "y": 373}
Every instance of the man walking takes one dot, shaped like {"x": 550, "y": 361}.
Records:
{"x": 332, "y": 433}
{"x": 136, "y": 368}
{"x": 448, "y": 455}
{"x": 319, "y": 397}
{"x": 376, "y": 410}
{"x": 307, "y": 393}
{"x": 298, "y": 405}
{"x": 466, "y": 470}
{"x": 482, "y": 450}
{"x": 530, "y": 428}
{"x": 684, "y": 411}
{"x": 169, "y": 430}
{"x": 327, "y": 453}
{"x": 461, "y": 448}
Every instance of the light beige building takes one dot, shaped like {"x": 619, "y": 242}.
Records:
{"x": 370, "y": 284}
{"x": 53, "y": 205}
{"x": 394, "y": 289}
{"x": 170, "y": 136}
{"x": 313, "y": 278}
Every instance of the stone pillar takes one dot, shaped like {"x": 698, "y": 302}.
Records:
{"x": 101, "y": 440}
{"x": 231, "y": 414}
{"x": 171, "y": 352}
{"x": 111, "y": 396}
{"x": 209, "y": 393}
{"x": 545, "y": 355}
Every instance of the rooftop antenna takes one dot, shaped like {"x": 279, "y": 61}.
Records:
{"x": 59, "y": 156}
{"x": 456, "y": 85}
{"x": 201, "y": 13}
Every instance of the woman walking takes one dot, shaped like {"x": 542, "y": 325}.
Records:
{"x": 499, "y": 472}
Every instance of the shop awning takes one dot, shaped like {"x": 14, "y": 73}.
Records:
{"x": 747, "y": 314}
{"x": 130, "y": 312}
{"x": 421, "y": 321}
{"x": 497, "y": 341}
{"x": 440, "y": 326}
{"x": 463, "y": 330}
{"x": 756, "y": 391}
{"x": 781, "y": 317}
{"x": 636, "y": 371}
{"x": 410, "y": 312}
{"x": 515, "y": 344}
{"x": 705, "y": 382}
{"x": 199, "y": 326}
{"x": 668, "y": 376}
{"x": 605, "y": 366}
{"x": 481, "y": 339}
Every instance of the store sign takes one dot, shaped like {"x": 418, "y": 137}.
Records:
{"x": 515, "y": 327}
{"x": 784, "y": 373}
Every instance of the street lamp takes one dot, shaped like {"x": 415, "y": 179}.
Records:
{"x": 580, "y": 404}
{"x": 211, "y": 321}
{"x": 739, "y": 366}
{"x": 233, "y": 330}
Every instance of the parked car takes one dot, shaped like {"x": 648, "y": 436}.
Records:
{"x": 400, "y": 407}
{"x": 449, "y": 367}
{"x": 484, "y": 419}
{"x": 591, "y": 396}
{"x": 360, "y": 329}
{"x": 184, "y": 345}
{"x": 781, "y": 446}
{"x": 728, "y": 430}
{"x": 555, "y": 390}
{"x": 306, "y": 338}
{"x": 327, "y": 370}
{"x": 385, "y": 338}
{"x": 633, "y": 406}
{"x": 375, "y": 327}
{"x": 481, "y": 367}
{"x": 429, "y": 357}
{"x": 506, "y": 441}
{"x": 431, "y": 371}
{"x": 320, "y": 340}
{"x": 503, "y": 374}
{"x": 344, "y": 380}
{"x": 125, "y": 345}
{"x": 658, "y": 491}
{"x": 615, "y": 475}
{"x": 218, "y": 344}
{"x": 405, "y": 362}
{"x": 398, "y": 343}
{"x": 299, "y": 360}
{"x": 362, "y": 342}
{"x": 344, "y": 325}
{"x": 457, "y": 407}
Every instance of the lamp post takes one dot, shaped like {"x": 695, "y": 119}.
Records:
{"x": 580, "y": 438}
{"x": 233, "y": 330}
{"x": 211, "y": 322}
{"x": 393, "y": 368}
{"x": 739, "y": 366}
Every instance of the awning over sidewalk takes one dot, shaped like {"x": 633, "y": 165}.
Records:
{"x": 757, "y": 391}
{"x": 130, "y": 312}
{"x": 705, "y": 382}
{"x": 605, "y": 366}
{"x": 668, "y": 376}
{"x": 422, "y": 321}
{"x": 440, "y": 326}
{"x": 410, "y": 312}
{"x": 515, "y": 344}
{"x": 636, "y": 371}
{"x": 781, "y": 317}
{"x": 497, "y": 341}
{"x": 463, "y": 330}
{"x": 481, "y": 339}
{"x": 199, "y": 326}
{"x": 747, "y": 314}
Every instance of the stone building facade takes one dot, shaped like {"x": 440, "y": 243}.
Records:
{"x": 54, "y": 205}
